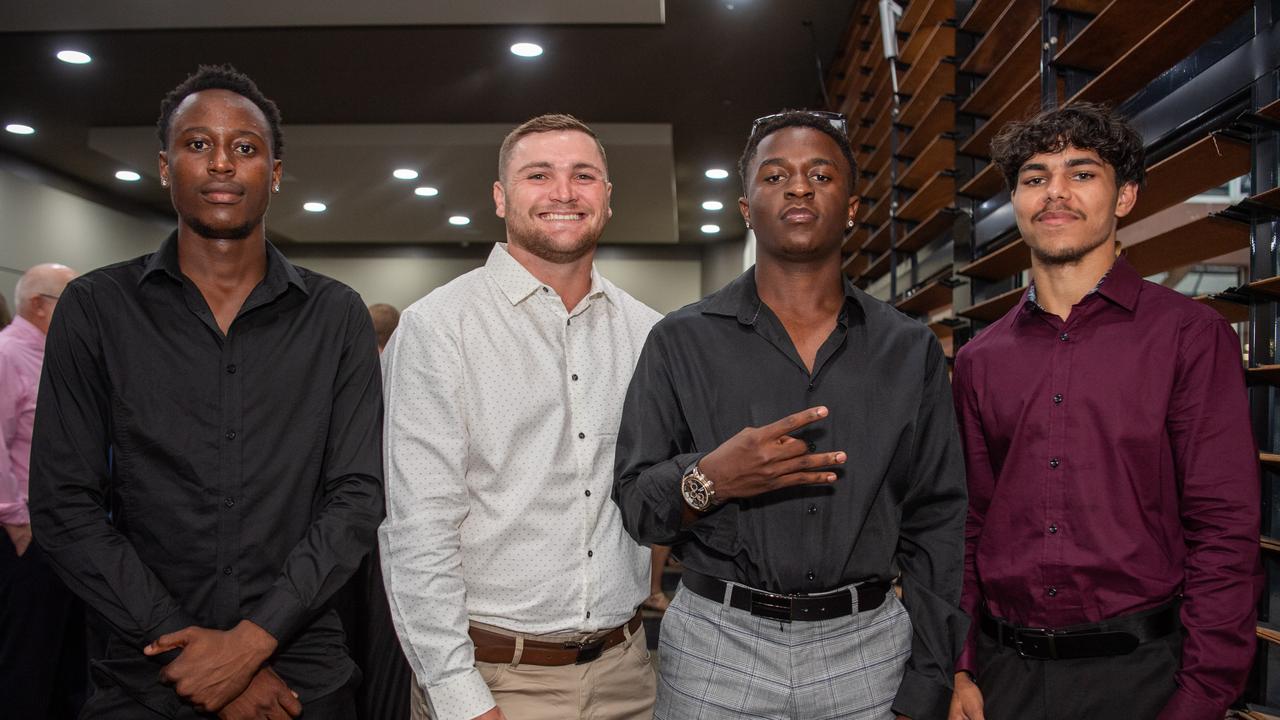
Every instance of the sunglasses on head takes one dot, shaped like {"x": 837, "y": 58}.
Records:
{"x": 837, "y": 120}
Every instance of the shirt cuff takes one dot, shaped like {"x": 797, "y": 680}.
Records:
{"x": 278, "y": 612}
{"x": 920, "y": 697}
{"x": 1185, "y": 706}
{"x": 968, "y": 660}
{"x": 15, "y": 513}
{"x": 461, "y": 698}
{"x": 176, "y": 621}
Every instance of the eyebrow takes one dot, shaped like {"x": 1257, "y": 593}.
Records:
{"x": 781, "y": 161}
{"x": 203, "y": 129}
{"x": 1073, "y": 162}
{"x": 546, "y": 165}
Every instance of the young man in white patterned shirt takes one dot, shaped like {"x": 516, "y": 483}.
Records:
{"x": 513, "y": 585}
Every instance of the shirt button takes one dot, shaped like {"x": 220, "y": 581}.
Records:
{"x": 813, "y": 509}
{"x": 226, "y": 570}
{"x": 1054, "y": 462}
{"x": 588, "y": 493}
{"x": 810, "y": 386}
{"x": 813, "y": 447}
{"x": 1053, "y": 529}
{"x": 229, "y": 502}
{"x": 588, "y": 614}
{"x": 811, "y": 576}
{"x": 575, "y": 377}
{"x": 1057, "y": 399}
{"x": 1064, "y": 337}
{"x": 582, "y": 436}
{"x": 231, "y": 369}
{"x": 231, "y": 434}
{"x": 1052, "y": 592}
{"x": 591, "y": 553}
{"x": 546, "y": 289}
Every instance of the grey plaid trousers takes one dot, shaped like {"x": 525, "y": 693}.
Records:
{"x": 721, "y": 663}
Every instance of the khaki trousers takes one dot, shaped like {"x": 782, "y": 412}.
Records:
{"x": 618, "y": 685}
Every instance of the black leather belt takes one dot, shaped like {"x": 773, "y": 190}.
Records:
{"x": 787, "y": 608}
{"x": 1117, "y": 636}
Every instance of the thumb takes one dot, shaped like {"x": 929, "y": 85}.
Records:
{"x": 168, "y": 642}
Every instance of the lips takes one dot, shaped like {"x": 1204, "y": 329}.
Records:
{"x": 1057, "y": 217}
{"x": 799, "y": 215}
{"x": 222, "y": 193}
{"x": 562, "y": 216}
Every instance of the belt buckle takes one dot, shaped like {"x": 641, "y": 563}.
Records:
{"x": 1046, "y": 634}
{"x": 586, "y": 651}
{"x": 774, "y": 607}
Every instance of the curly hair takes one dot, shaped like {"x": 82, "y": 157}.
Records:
{"x": 1087, "y": 126}
{"x": 794, "y": 118}
{"x": 553, "y": 122}
{"x": 221, "y": 77}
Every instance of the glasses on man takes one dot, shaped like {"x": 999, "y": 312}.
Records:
{"x": 837, "y": 120}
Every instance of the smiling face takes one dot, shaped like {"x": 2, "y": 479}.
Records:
{"x": 1067, "y": 205}
{"x": 218, "y": 165}
{"x": 554, "y": 195}
{"x": 798, "y": 199}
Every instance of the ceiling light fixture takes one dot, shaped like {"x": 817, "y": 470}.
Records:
{"x": 128, "y": 176}
{"x": 712, "y": 205}
{"x": 20, "y": 129}
{"x": 75, "y": 57}
{"x": 459, "y": 220}
{"x": 314, "y": 207}
{"x": 405, "y": 174}
{"x": 526, "y": 49}
{"x": 426, "y": 191}
{"x": 711, "y": 229}
{"x": 717, "y": 173}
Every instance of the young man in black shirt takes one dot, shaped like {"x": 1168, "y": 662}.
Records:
{"x": 229, "y": 403}
{"x": 791, "y": 530}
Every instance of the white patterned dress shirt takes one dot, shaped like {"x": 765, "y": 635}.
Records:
{"x": 502, "y": 411}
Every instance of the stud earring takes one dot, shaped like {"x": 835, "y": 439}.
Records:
{"x": 849, "y": 224}
{"x": 164, "y": 182}
{"x": 276, "y": 188}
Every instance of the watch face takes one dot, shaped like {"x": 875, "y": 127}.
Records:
{"x": 695, "y": 492}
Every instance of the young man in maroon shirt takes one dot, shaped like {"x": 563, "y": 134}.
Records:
{"x": 1111, "y": 554}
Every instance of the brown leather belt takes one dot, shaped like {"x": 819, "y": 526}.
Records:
{"x": 495, "y": 648}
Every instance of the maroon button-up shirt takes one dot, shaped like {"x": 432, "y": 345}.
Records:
{"x": 1111, "y": 468}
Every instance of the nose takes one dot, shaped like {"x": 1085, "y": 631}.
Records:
{"x": 798, "y": 185}
{"x": 220, "y": 160}
{"x": 1056, "y": 187}
{"x": 562, "y": 190}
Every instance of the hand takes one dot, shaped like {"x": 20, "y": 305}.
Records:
{"x": 20, "y": 536}
{"x": 966, "y": 701}
{"x": 266, "y": 697}
{"x": 758, "y": 460}
{"x": 215, "y": 666}
{"x": 494, "y": 713}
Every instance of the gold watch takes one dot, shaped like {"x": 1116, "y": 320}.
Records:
{"x": 697, "y": 489}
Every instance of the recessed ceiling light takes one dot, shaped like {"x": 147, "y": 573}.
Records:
{"x": 75, "y": 57}
{"x": 426, "y": 191}
{"x": 459, "y": 220}
{"x": 712, "y": 205}
{"x": 526, "y": 49}
{"x": 711, "y": 229}
{"x": 128, "y": 176}
{"x": 20, "y": 129}
{"x": 717, "y": 173}
{"x": 314, "y": 207}
{"x": 405, "y": 174}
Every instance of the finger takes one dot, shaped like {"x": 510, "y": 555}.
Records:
{"x": 168, "y": 642}
{"x": 289, "y": 703}
{"x": 804, "y": 478}
{"x": 809, "y": 462}
{"x": 795, "y": 420}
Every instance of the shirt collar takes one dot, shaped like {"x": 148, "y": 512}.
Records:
{"x": 1120, "y": 285}
{"x": 517, "y": 283}
{"x": 741, "y": 298}
{"x": 25, "y": 333}
{"x": 280, "y": 272}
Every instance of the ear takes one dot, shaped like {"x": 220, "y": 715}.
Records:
{"x": 854, "y": 203}
{"x": 499, "y": 199}
{"x": 744, "y": 207}
{"x": 163, "y": 164}
{"x": 1126, "y": 198}
{"x": 277, "y": 172}
{"x": 608, "y": 197}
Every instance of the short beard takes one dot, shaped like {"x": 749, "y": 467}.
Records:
{"x": 239, "y": 232}
{"x": 1068, "y": 256}
{"x": 539, "y": 245}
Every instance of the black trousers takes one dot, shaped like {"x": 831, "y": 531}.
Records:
{"x": 112, "y": 703}
{"x": 43, "y": 663}
{"x": 1125, "y": 687}
{"x": 371, "y": 637}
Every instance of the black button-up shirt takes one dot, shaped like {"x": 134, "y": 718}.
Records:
{"x": 898, "y": 504}
{"x": 244, "y": 471}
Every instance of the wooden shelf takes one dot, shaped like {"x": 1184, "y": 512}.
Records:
{"x": 941, "y": 82}
{"x": 938, "y": 120}
{"x": 878, "y": 132}
{"x": 916, "y": 77}
{"x": 984, "y": 13}
{"x": 922, "y": 13}
{"x": 854, "y": 240}
{"x": 879, "y": 187}
{"x": 1269, "y": 632}
{"x": 1120, "y": 26}
{"x": 938, "y": 156}
{"x": 1263, "y": 375}
{"x": 1269, "y": 544}
{"x": 1088, "y": 7}
{"x": 1270, "y": 110}
{"x": 1182, "y": 31}
{"x": 1270, "y": 460}
{"x": 878, "y": 267}
{"x": 1269, "y": 287}
{"x": 1013, "y": 258}
{"x": 993, "y": 309}
{"x": 879, "y": 240}
{"x": 941, "y": 329}
{"x": 925, "y": 232}
{"x": 924, "y": 44}
{"x": 856, "y": 264}
{"x": 939, "y": 191}
{"x": 985, "y": 184}
{"x": 929, "y": 297}
{"x": 1204, "y": 165}
{"x": 1199, "y": 240}
{"x": 1233, "y": 311}
{"x": 1022, "y": 63}
{"x": 1268, "y": 198}
{"x": 995, "y": 43}
{"x": 1026, "y": 100}
{"x": 879, "y": 213}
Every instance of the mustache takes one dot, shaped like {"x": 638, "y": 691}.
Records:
{"x": 1059, "y": 209}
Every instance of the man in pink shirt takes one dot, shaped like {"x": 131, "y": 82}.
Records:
{"x": 36, "y": 609}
